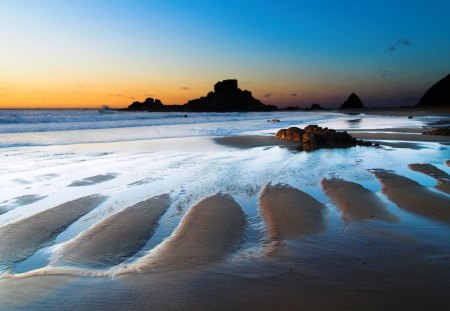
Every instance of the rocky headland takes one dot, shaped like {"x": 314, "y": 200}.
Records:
{"x": 437, "y": 95}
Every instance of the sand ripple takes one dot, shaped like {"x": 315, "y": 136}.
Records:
{"x": 20, "y": 239}
{"x": 210, "y": 229}
{"x": 442, "y": 178}
{"x": 117, "y": 237}
{"x": 290, "y": 213}
{"x": 414, "y": 198}
{"x": 93, "y": 180}
{"x": 356, "y": 202}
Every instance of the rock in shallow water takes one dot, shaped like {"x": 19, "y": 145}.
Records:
{"x": 314, "y": 137}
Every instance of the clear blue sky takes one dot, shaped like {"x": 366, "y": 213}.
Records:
{"x": 88, "y": 52}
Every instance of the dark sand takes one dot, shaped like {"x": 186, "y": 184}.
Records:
{"x": 22, "y": 238}
{"x": 116, "y": 238}
{"x": 251, "y": 141}
{"x": 19, "y": 201}
{"x": 442, "y": 178}
{"x": 290, "y": 213}
{"x": 414, "y": 198}
{"x": 356, "y": 202}
{"x": 93, "y": 180}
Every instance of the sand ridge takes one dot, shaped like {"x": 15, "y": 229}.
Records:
{"x": 442, "y": 178}
{"x": 20, "y": 239}
{"x": 414, "y": 198}
{"x": 356, "y": 202}
{"x": 210, "y": 229}
{"x": 115, "y": 238}
{"x": 290, "y": 213}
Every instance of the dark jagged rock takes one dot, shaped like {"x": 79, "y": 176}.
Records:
{"x": 315, "y": 137}
{"x": 316, "y": 107}
{"x": 438, "y": 94}
{"x": 442, "y": 131}
{"x": 149, "y": 104}
{"x": 227, "y": 97}
{"x": 352, "y": 102}
{"x": 292, "y": 133}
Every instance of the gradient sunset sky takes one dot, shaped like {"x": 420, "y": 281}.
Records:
{"x": 88, "y": 53}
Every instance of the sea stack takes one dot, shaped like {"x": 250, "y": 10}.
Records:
{"x": 149, "y": 104}
{"x": 437, "y": 95}
{"x": 353, "y": 102}
{"x": 227, "y": 97}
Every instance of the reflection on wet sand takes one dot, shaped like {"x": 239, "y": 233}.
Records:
{"x": 19, "y": 201}
{"x": 442, "y": 178}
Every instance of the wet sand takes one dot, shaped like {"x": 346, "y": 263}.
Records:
{"x": 290, "y": 213}
{"x": 209, "y": 230}
{"x": 356, "y": 202}
{"x": 400, "y": 136}
{"x": 442, "y": 178}
{"x": 414, "y": 198}
{"x": 116, "y": 238}
{"x": 20, "y": 239}
{"x": 93, "y": 180}
{"x": 19, "y": 201}
{"x": 251, "y": 141}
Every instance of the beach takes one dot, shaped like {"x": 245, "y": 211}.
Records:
{"x": 211, "y": 212}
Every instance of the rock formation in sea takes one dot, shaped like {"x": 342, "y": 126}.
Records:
{"x": 438, "y": 94}
{"x": 352, "y": 102}
{"x": 227, "y": 97}
{"x": 149, "y": 104}
{"x": 314, "y": 137}
{"x": 316, "y": 106}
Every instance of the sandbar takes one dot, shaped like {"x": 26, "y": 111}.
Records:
{"x": 20, "y": 239}
{"x": 356, "y": 202}
{"x": 209, "y": 230}
{"x": 442, "y": 178}
{"x": 290, "y": 213}
{"x": 414, "y": 198}
{"x": 115, "y": 238}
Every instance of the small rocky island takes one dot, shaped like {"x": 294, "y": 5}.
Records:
{"x": 226, "y": 97}
{"x": 314, "y": 137}
{"x": 353, "y": 102}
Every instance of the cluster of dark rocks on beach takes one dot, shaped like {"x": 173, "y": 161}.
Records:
{"x": 314, "y": 137}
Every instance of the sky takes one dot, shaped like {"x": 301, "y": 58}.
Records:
{"x": 89, "y": 53}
